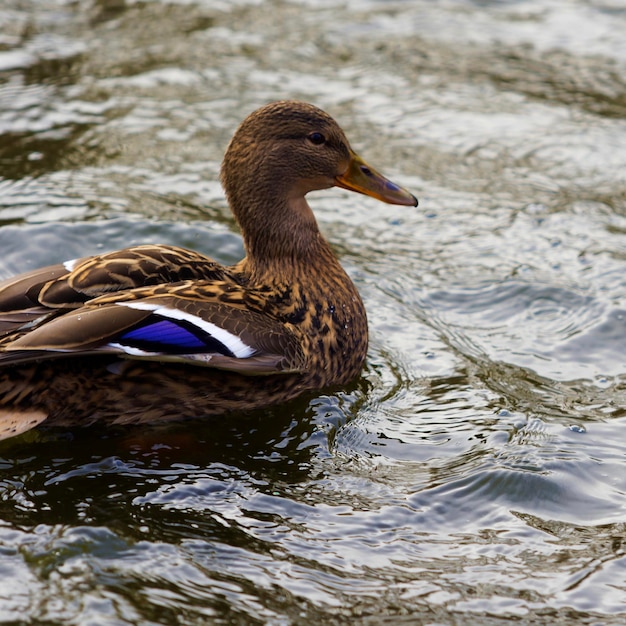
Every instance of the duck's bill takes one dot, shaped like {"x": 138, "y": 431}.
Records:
{"x": 360, "y": 177}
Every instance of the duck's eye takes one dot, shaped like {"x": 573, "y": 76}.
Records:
{"x": 317, "y": 139}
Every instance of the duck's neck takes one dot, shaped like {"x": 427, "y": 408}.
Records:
{"x": 286, "y": 244}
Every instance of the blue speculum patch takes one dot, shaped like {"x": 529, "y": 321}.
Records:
{"x": 166, "y": 334}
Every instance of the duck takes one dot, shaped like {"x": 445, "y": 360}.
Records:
{"x": 156, "y": 333}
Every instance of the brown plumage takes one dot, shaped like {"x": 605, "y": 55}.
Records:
{"x": 155, "y": 333}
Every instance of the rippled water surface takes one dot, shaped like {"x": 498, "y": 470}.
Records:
{"x": 476, "y": 473}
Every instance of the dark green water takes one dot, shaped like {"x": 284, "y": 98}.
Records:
{"x": 476, "y": 473}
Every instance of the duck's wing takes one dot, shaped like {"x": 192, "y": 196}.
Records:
{"x": 158, "y": 303}
{"x": 47, "y": 292}
{"x": 175, "y": 327}
{"x": 206, "y": 322}
{"x": 19, "y": 298}
{"x": 139, "y": 266}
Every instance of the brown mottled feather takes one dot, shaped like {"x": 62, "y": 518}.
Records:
{"x": 289, "y": 301}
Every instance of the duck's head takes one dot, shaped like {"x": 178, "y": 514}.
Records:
{"x": 281, "y": 152}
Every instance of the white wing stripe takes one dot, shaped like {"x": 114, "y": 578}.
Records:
{"x": 240, "y": 349}
{"x": 70, "y": 265}
{"x": 132, "y": 351}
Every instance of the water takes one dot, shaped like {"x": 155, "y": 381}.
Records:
{"x": 476, "y": 472}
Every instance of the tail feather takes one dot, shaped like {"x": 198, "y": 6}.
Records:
{"x": 14, "y": 422}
